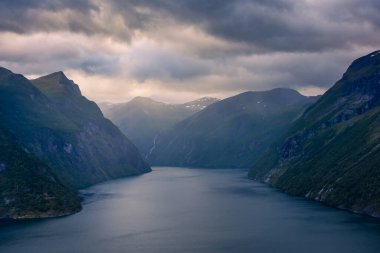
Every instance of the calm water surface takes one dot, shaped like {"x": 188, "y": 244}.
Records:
{"x": 193, "y": 210}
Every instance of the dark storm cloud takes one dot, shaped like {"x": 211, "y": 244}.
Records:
{"x": 47, "y": 4}
{"x": 281, "y": 25}
{"x": 22, "y": 16}
{"x": 276, "y": 25}
{"x": 190, "y": 45}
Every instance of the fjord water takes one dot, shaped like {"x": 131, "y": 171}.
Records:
{"x": 194, "y": 210}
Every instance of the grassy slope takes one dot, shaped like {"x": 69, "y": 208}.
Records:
{"x": 331, "y": 153}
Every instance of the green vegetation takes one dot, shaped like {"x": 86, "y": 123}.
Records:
{"x": 331, "y": 153}
{"x": 28, "y": 189}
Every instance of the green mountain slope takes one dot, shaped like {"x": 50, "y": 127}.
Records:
{"x": 143, "y": 119}
{"x": 69, "y": 133}
{"x": 332, "y": 153}
{"x": 232, "y": 132}
{"x": 28, "y": 189}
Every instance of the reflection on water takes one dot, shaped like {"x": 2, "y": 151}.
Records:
{"x": 194, "y": 210}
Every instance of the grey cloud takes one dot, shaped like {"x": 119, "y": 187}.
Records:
{"x": 99, "y": 64}
{"x": 255, "y": 44}
{"x": 47, "y": 4}
{"x": 102, "y": 65}
{"x": 279, "y": 25}
{"x": 157, "y": 64}
{"x": 90, "y": 17}
{"x": 316, "y": 69}
{"x": 263, "y": 72}
{"x": 42, "y": 53}
{"x": 22, "y": 16}
{"x": 265, "y": 26}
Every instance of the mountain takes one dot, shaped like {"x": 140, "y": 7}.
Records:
{"x": 332, "y": 153}
{"x": 232, "y": 132}
{"x": 53, "y": 121}
{"x": 28, "y": 188}
{"x": 199, "y": 104}
{"x": 143, "y": 119}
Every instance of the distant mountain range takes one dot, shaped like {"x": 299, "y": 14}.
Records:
{"x": 230, "y": 133}
{"x": 54, "y": 141}
{"x": 324, "y": 148}
{"x": 143, "y": 119}
{"x": 51, "y": 122}
{"x": 332, "y": 153}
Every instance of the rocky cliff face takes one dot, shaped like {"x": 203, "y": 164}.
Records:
{"x": 65, "y": 130}
{"x": 28, "y": 188}
{"x": 331, "y": 153}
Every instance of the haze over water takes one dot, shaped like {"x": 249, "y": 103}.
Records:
{"x": 194, "y": 210}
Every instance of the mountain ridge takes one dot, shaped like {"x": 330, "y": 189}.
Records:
{"x": 57, "y": 79}
{"x": 143, "y": 119}
{"x": 331, "y": 153}
{"x": 232, "y": 132}
{"x": 66, "y": 131}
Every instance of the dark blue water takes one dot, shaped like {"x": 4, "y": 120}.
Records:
{"x": 191, "y": 210}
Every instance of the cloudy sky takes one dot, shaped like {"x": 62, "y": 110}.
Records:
{"x": 178, "y": 50}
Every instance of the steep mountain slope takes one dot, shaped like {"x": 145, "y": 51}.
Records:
{"x": 332, "y": 153}
{"x": 143, "y": 119}
{"x": 232, "y": 132}
{"x": 65, "y": 130}
{"x": 28, "y": 189}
